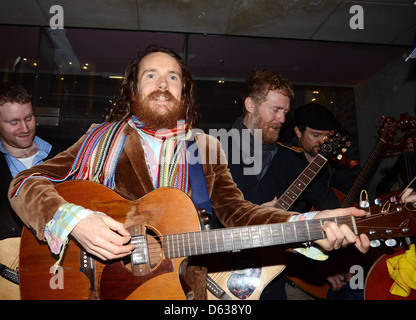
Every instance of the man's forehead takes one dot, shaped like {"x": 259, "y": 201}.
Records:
{"x": 159, "y": 61}
{"x": 278, "y": 98}
{"x": 15, "y": 104}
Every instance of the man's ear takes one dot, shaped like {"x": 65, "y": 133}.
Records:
{"x": 297, "y": 132}
{"x": 249, "y": 105}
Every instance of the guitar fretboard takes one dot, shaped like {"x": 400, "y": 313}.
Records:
{"x": 387, "y": 130}
{"x": 296, "y": 188}
{"x": 365, "y": 173}
{"x": 239, "y": 238}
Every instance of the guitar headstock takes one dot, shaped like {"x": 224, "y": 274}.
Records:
{"x": 406, "y": 122}
{"x": 335, "y": 144}
{"x": 387, "y": 130}
{"x": 397, "y": 221}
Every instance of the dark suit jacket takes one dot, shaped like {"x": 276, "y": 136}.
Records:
{"x": 10, "y": 224}
{"x": 283, "y": 169}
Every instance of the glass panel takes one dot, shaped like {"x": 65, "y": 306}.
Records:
{"x": 73, "y": 73}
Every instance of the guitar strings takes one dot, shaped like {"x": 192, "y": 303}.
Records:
{"x": 184, "y": 246}
{"x": 181, "y": 244}
{"x": 220, "y": 240}
{"x": 305, "y": 178}
{"x": 15, "y": 264}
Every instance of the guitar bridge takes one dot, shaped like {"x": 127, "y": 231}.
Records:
{"x": 140, "y": 264}
{"x": 9, "y": 274}
{"x": 139, "y": 255}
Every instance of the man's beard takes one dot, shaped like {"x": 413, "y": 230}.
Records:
{"x": 159, "y": 116}
{"x": 267, "y": 136}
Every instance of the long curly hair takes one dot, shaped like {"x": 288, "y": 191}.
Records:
{"x": 121, "y": 107}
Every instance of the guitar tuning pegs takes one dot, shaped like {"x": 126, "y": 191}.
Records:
{"x": 364, "y": 204}
{"x": 375, "y": 243}
{"x": 379, "y": 201}
{"x": 390, "y": 242}
{"x": 394, "y": 199}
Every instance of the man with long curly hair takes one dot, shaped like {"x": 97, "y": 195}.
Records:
{"x": 142, "y": 146}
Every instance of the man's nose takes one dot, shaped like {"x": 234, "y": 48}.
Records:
{"x": 162, "y": 85}
{"x": 23, "y": 126}
{"x": 281, "y": 118}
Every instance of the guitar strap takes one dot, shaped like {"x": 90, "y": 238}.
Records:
{"x": 199, "y": 187}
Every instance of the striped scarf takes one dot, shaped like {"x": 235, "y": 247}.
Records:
{"x": 96, "y": 159}
{"x": 173, "y": 170}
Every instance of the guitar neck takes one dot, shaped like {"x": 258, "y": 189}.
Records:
{"x": 239, "y": 238}
{"x": 298, "y": 186}
{"x": 365, "y": 173}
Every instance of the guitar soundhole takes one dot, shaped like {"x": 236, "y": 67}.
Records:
{"x": 118, "y": 281}
{"x": 154, "y": 247}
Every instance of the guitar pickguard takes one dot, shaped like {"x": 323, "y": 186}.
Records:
{"x": 245, "y": 274}
{"x": 242, "y": 283}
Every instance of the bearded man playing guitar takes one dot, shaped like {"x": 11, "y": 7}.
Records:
{"x": 266, "y": 103}
{"x": 156, "y": 93}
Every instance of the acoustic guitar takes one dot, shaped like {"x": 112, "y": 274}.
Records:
{"x": 378, "y": 281}
{"x": 9, "y": 276}
{"x": 165, "y": 227}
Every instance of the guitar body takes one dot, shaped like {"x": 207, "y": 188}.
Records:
{"x": 163, "y": 211}
{"x": 36, "y": 276}
{"x": 9, "y": 254}
{"x": 378, "y": 281}
{"x": 165, "y": 229}
{"x": 244, "y": 275}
